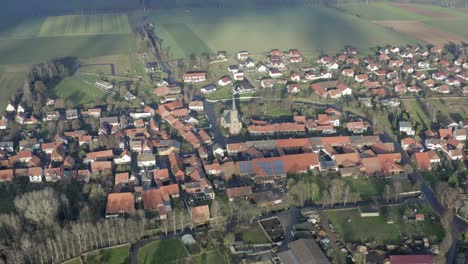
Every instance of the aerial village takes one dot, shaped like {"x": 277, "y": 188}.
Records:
{"x": 178, "y": 152}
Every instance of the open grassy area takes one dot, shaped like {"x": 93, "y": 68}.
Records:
{"x": 354, "y": 228}
{"x": 225, "y": 29}
{"x": 130, "y": 64}
{"x": 416, "y": 112}
{"x": 211, "y": 257}
{"x": 162, "y": 252}
{"x": 75, "y": 91}
{"x": 252, "y": 234}
{"x": 453, "y": 108}
{"x": 367, "y": 188}
{"x": 267, "y": 109}
{"x": 116, "y": 255}
{"x": 9, "y": 83}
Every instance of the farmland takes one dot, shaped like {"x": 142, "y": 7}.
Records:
{"x": 428, "y": 23}
{"x": 10, "y": 81}
{"x": 263, "y": 29}
{"x": 36, "y": 40}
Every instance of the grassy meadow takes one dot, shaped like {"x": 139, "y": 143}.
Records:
{"x": 162, "y": 252}
{"x": 259, "y": 30}
{"x": 114, "y": 255}
{"x": 75, "y": 91}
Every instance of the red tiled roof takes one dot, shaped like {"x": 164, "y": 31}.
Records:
{"x": 105, "y": 154}
{"x": 121, "y": 178}
{"x": 6, "y": 175}
{"x": 411, "y": 259}
{"x": 120, "y": 203}
{"x": 201, "y": 214}
{"x": 236, "y": 192}
{"x": 161, "y": 174}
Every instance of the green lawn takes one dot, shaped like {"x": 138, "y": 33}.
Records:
{"x": 416, "y": 112}
{"x": 77, "y": 92}
{"x": 251, "y": 235}
{"x": 130, "y": 64}
{"x": 117, "y": 255}
{"x": 162, "y": 252}
{"x": 354, "y": 228}
{"x": 454, "y": 108}
{"x": 367, "y": 188}
{"x": 267, "y": 109}
{"x": 226, "y": 29}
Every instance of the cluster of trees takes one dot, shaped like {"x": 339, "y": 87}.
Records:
{"x": 44, "y": 231}
{"x": 33, "y": 92}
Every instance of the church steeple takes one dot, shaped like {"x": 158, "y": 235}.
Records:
{"x": 233, "y": 103}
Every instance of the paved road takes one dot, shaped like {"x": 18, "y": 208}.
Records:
{"x": 210, "y": 112}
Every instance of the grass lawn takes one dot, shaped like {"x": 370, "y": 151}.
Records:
{"x": 130, "y": 64}
{"x": 267, "y": 109}
{"x": 76, "y": 91}
{"x": 117, "y": 255}
{"x": 251, "y": 235}
{"x": 366, "y": 188}
{"x": 211, "y": 257}
{"x": 162, "y": 252}
{"x": 225, "y": 29}
{"x": 454, "y": 108}
{"x": 417, "y": 113}
{"x": 354, "y": 228}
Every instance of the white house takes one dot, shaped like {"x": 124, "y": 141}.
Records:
{"x": 239, "y": 76}
{"x": 140, "y": 115}
{"x": 275, "y": 73}
{"x": 123, "y": 158}
{"x": 147, "y": 160}
{"x": 406, "y": 127}
{"x": 242, "y": 55}
{"x": 225, "y": 80}
{"x": 35, "y": 174}
{"x": 460, "y": 134}
{"x": 10, "y": 108}
{"x": 262, "y": 68}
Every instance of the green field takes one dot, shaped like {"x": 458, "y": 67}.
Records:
{"x": 453, "y": 108}
{"x": 354, "y": 228}
{"x": 37, "y": 39}
{"x": 85, "y": 25}
{"x": 74, "y": 91}
{"x": 417, "y": 113}
{"x": 264, "y": 29}
{"x": 252, "y": 234}
{"x": 116, "y": 255}
{"x": 162, "y": 252}
{"x": 367, "y": 187}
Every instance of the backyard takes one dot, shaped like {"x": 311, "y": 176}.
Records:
{"x": 354, "y": 228}
{"x": 252, "y": 234}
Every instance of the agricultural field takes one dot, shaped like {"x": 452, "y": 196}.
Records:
{"x": 38, "y": 39}
{"x": 431, "y": 24}
{"x": 114, "y": 255}
{"x": 210, "y": 30}
{"x": 354, "y": 228}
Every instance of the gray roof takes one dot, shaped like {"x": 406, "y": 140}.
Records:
{"x": 303, "y": 251}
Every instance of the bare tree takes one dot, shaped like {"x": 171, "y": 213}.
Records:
{"x": 387, "y": 191}
{"x": 40, "y": 207}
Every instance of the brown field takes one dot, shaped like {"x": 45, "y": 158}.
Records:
{"x": 421, "y": 10}
{"x": 421, "y": 31}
